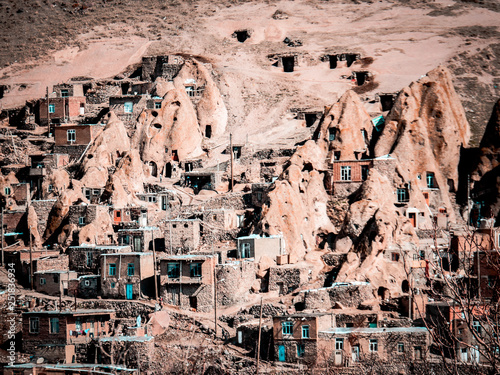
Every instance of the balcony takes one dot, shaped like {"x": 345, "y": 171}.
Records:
{"x": 38, "y": 172}
{"x": 184, "y": 280}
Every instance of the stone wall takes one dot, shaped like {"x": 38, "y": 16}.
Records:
{"x": 42, "y": 209}
{"x": 287, "y": 279}
{"x": 238, "y": 278}
{"x": 339, "y": 294}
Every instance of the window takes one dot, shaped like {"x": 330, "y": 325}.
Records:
{"x": 364, "y": 172}
{"x": 64, "y": 93}
{"x": 430, "y": 180}
{"x": 476, "y": 325}
{"x": 373, "y": 345}
{"x": 402, "y": 195}
{"x": 81, "y": 220}
{"x": 345, "y": 173}
{"x": 113, "y": 285}
{"x": 112, "y": 269}
{"x": 7, "y": 190}
{"x": 245, "y": 250}
{"x": 50, "y": 188}
{"x": 87, "y": 194}
{"x": 158, "y": 105}
{"x": 395, "y": 257}
{"x": 130, "y": 269}
{"x": 34, "y": 325}
{"x": 259, "y": 196}
{"x": 128, "y": 107}
{"x": 56, "y": 278}
{"x": 301, "y": 349}
{"x": 54, "y": 325}
{"x": 86, "y": 283}
{"x": 195, "y": 270}
{"x": 286, "y": 328}
{"x": 71, "y": 134}
{"x": 152, "y": 199}
{"x": 339, "y": 344}
{"x": 42, "y": 281}
{"x": 305, "y": 332}
{"x": 173, "y": 270}
{"x": 331, "y": 134}
{"x": 52, "y": 108}
{"x": 401, "y": 347}
{"x": 126, "y": 239}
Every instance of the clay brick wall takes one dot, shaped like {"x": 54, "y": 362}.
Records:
{"x": 238, "y": 278}
{"x": 286, "y": 280}
{"x": 83, "y": 134}
{"x": 183, "y": 234}
{"x": 72, "y": 108}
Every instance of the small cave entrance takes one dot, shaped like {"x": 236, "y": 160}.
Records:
{"x": 208, "y": 131}
{"x": 300, "y": 306}
{"x": 241, "y": 35}
{"x": 153, "y": 169}
{"x": 3, "y": 88}
{"x": 125, "y": 88}
{"x": 154, "y": 114}
{"x": 350, "y": 58}
{"x": 288, "y": 63}
{"x": 386, "y": 101}
{"x": 405, "y": 286}
{"x": 168, "y": 170}
{"x": 361, "y": 78}
{"x": 86, "y": 88}
{"x": 333, "y": 59}
{"x": 310, "y": 119}
{"x": 383, "y": 293}
{"x": 157, "y": 126}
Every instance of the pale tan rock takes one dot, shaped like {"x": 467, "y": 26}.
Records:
{"x": 264, "y": 264}
{"x": 33, "y": 227}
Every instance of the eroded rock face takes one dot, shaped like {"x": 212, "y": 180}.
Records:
{"x": 424, "y": 132}
{"x": 487, "y": 173}
{"x": 346, "y": 128}
{"x": 171, "y": 129}
{"x": 108, "y": 146}
{"x": 372, "y": 225}
{"x": 210, "y": 109}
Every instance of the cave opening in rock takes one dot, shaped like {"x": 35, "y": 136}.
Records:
{"x": 310, "y": 119}
{"x": 125, "y": 88}
{"x": 405, "y": 286}
{"x": 153, "y": 169}
{"x": 288, "y": 63}
{"x": 208, "y": 131}
{"x": 350, "y": 58}
{"x": 168, "y": 170}
{"x": 386, "y": 101}
{"x": 242, "y": 35}
{"x": 383, "y": 292}
{"x": 361, "y": 77}
{"x": 333, "y": 59}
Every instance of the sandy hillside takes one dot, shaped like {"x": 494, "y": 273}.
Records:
{"x": 399, "y": 43}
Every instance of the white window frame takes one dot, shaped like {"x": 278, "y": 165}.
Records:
{"x": 345, "y": 173}
{"x": 128, "y": 107}
{"x": 373, "y": 345}
{"x": 71, "y": 135}
{"x": 52, "y": 108}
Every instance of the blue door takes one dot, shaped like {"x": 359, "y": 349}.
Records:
{"x": 129, "y": 291}
{"x": 281, "y": 353}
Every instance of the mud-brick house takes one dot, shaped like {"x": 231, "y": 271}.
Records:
{"x": 352, "y": 346}
{"x": 182, "y": 235}
{"x": 17, "y": 196}
{"x": 203, "y": 179}
{"x": 166, "y": 66}
{"x": 140, "y": 239}
{"x": 83, "y": 214}
{"x": 73, "y": 139}
{"x": 86, "y": 286}
{"x": 56, "y": 110}
{"x": 40, "y": 166}
{"x": 128, "y": 107}
{"x": 255, "y": 246}
{"x": 63, "y": 336}
{"x": 187, "y": 281}
{"x": 259, "y": 195}
{"x": 127, "y": 275}
{"x": 86, "y": 259}
{"x": 53, "y": 282}
{"x": 296, "y": 336}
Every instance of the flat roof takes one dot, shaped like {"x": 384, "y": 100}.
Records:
{"x": 187, "y": 256}
{"x": 126, "y": 338}
{"x": 69, "y": 366}
{"x": 366, "y": 330}
{"x": 90, "y": 246}
{"x": 337, "y": 285}
{"x": 253, "y": 236}
{"x": 137, "y": 229}
{"x": 54, "y": 271}
{"x": 71, "y": 312}
{"x": 304, "y": 315}
{"x": 131, "y": 253}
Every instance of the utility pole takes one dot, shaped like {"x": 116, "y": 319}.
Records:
{"x": 258, "y": 342}
{"x": 215, "y": 291}
{"x": 3, "y": 261}
{"x": 232, "y": 157}
{"x": 48, "y": 110}
{"x": 154, "y": 266}
{"x": 31, "y": 260}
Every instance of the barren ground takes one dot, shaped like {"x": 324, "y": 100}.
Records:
{"x": 45, "y": 42}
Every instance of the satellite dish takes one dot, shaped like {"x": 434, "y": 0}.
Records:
{"x": 40, "y": 360}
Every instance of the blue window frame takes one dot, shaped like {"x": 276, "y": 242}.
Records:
{"x": 431, "y": 180}
{"x": 112, "y": 269}
{"x": 195, "y": 270}
{"x": 52, "y": 108}
{"x": 54, "y": 325}
{"x": 287, "y": 328}
{"x": 173, "y": 270}
{"x": 128, "y": 107}
{"x": 301, "y": 349}
{"x": 305, "y": 332}
{"x": 130, "y": 269}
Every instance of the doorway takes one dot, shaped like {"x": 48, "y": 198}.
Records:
{"x": 281, "y": 353}
{"x": 288, "y": 64}
{"x": 193, "y": 302}
{"x": 129, "y": 291}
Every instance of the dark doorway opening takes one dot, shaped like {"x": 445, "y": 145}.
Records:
{"x": 153, "y": 169}
{"x": 361, "y": 77}
{"x": 168, "y": 170}
{"x": 333, "y": 61}
{"x": 405, "y": 286}
{"x": 188, "y": 167}
{"x": 310, "y": 119}
{"x": 386, "y": 101}
{"x": 86, "y": 88}
{"x": 242, "y": 35}
{"x": 383, "y": 292}
{"x": 350, "y": 58}
{"x": 2, "y": 91}
{"x": 193, "y": 302}
{"x": 175, "y": 157}
{"x": 208, "y": 131}
{"x": 288, "y": 64}
{"x": 125, "y": 88}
